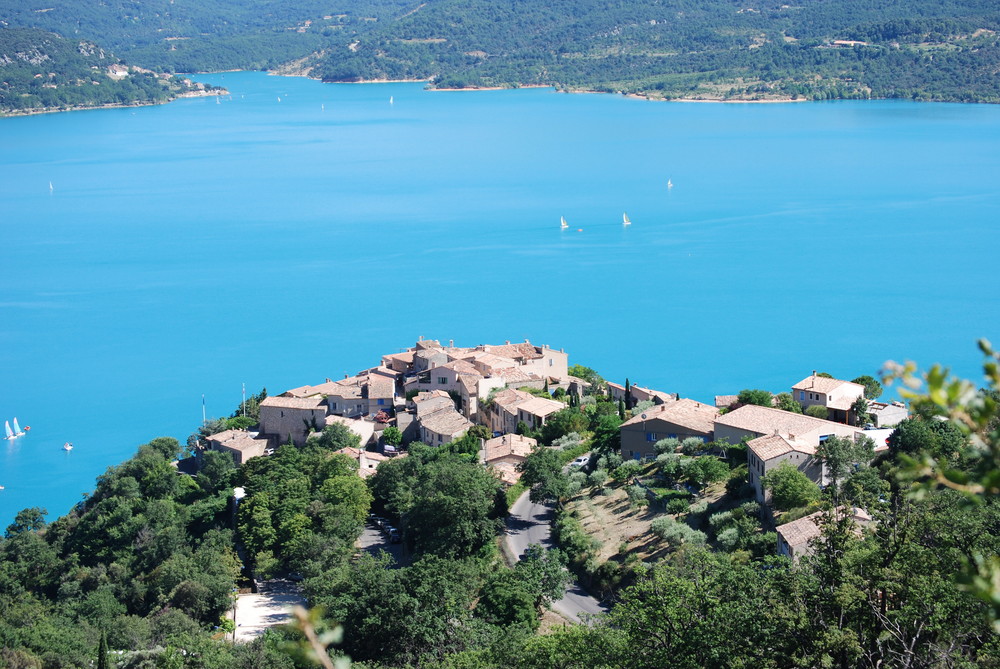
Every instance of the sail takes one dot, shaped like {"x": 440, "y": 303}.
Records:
{"x": 625, "y": 219}
{"x": 17, "y": 428}
{"x": 562, "y": 222}
{"x": 670, "y": 184}
{"x": 10, "y": 432}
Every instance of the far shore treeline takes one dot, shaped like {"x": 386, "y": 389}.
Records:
{"x": 143, "y": 571}
{"x": 710, "y": 50}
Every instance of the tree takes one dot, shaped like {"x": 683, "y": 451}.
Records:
{"x": 338, "y": 436}
{"x": 542, "y": 472}
{"x": 790, "y": 488}
{"x": 751, "y": 396}
{"x": 786, "y": 402}
{"x": 841, "y": 456}
{"x": 607, "y": 434}
{"x": 454, "y": 510}
{"x": 859, "y": 408}
{"x": 707, "y": 469}
{"x": 563, "y": 422}
{"x": 27, "y": 520}
{"x": 873, "y": 389}
{"x": 102, "y": 652}
{"x": 349, "y": 496}
{"x": 392, "y": 436}
{"x": 628, "y": 394}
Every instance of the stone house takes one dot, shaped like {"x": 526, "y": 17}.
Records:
{"x": 836, "y": 395}
{"x": 678, "y": 419}
{"x": 292, "y": 418}
{"x": 240, "y": 444}
{"x": 797, "y": 538}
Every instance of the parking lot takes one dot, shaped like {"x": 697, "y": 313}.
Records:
{"x": 373, "y": 541}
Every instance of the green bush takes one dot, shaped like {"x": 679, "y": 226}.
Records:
{"x": 676, "y": 506}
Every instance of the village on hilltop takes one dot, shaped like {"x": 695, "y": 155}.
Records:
{"x": 434, "y": 394}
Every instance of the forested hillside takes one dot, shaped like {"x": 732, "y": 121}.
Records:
{"x": 41, "y": 71}
{"x": 712, "y": 49}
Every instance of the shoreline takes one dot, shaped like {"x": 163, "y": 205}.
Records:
{"x": 189, "y": 94}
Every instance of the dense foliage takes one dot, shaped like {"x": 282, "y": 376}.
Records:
{"x": 42, "y": 71}
{"x": 713, "y": 49}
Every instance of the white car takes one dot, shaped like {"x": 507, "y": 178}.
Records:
{"x": 580, "y": 461}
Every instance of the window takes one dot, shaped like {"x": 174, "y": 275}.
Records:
{"x": 550, "y": 362}
{"x": 802, "y": 394}
{"x": 442, "y": 380}
{"x": 333, "y": 406}
{"x": 651, "y": 436}
{"x": 381, "y": 402}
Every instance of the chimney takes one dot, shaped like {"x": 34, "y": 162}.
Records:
{"x": 507, "y": 342}
{"x": 420, "y": 338}
{"x": 451, "y": 343}
{"x": 346, "y": 376}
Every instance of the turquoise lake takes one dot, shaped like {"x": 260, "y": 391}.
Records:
{"x": 188, "y": 248}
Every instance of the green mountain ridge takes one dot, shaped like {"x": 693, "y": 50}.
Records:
{"x": 671, "y": 49}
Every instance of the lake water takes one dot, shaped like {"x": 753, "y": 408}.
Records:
{"x": 188, "y": 248}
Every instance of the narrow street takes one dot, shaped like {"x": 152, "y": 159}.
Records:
{"x": 529, "y": 523}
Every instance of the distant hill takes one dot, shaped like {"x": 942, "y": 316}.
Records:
{"x": 701, "y": 49}
{"x": 713, "y": 49}
{"x": 41, "y": 71}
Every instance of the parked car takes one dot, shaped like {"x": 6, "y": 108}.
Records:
{"x": 388, "y": 529}
{"x": 580, "y": 461}
{"x": 394, "y": 536}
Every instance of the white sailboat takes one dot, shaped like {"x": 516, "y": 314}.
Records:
{"x": 9, "y": 432}
{"x": 670, "y": 184}
{"x": 390, "y": 100}
{"x": 50, "y": 187}
{"x": 18, "y": 432}
{"x": 625, "y": 219}
{"x": 562, "y": 223}
{"x": 67, "y": 446}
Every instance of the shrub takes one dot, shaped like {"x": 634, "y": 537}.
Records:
{"x": 636, "y": 495}
{"x": 675, "y": 533}
{"x": 816, "y": 411}
{"x": 728, "y": 539}
{"x": 676, "y": 506}
{"x": 692, "y": 445}
{"x": 626, "y": 470}
{"x": 571, "y": 440}
{"x": 598, "y": 478}
{"x": 668, "y": 445}
{"x": 642, "y": 406}
{"x": 698, "y": 508}
{"x": 720, "y": 521}
{"x": 609, "y": 462}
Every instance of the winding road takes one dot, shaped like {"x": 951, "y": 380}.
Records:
{"x": 529, "y": 523}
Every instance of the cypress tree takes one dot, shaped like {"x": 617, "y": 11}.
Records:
{"x": 621, "y": 409}
{"x": 102, "y": 652}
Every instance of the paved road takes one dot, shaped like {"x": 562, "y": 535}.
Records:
{"x": 529, "y": 523}
{"x": 373, "y": 541}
